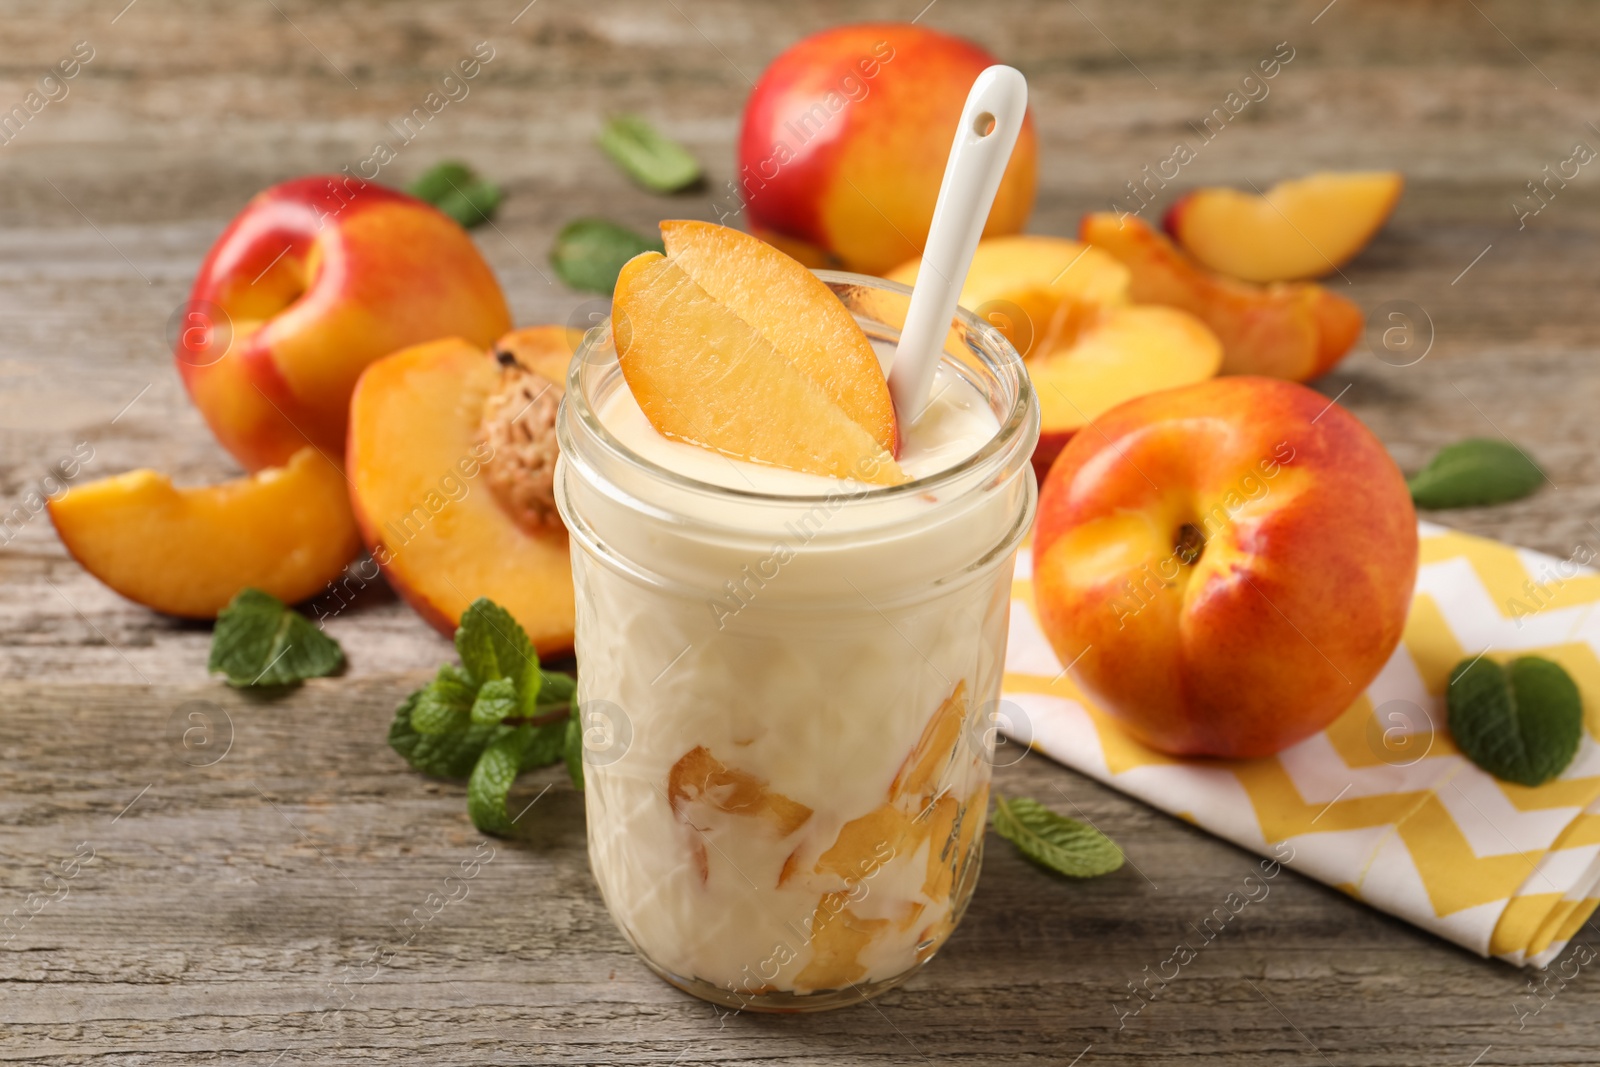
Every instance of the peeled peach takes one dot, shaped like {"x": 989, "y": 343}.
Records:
{"x": 1297, "y": 229}
{"x": 285, "y": 530}
{"x": 1294, "y": 330}
{"x": 761, "y": 362}
{"x": 451, "y": 459}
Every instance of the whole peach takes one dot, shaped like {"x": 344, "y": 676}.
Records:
{"x": 1227, "y": 565}
{"x": 845, "y": 139}
{"x": 315, "y": 279}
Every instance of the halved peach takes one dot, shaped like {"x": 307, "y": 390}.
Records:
{"x": 1037, "y": 291}
{"x": 1304, "y": 228}
{"x": 765, "y": 365}
{"x": 451, "y": 457}
{"x": 1294, "y": 330}
{"x": 1127, "y": 352}
{"x": 285, "y": 530}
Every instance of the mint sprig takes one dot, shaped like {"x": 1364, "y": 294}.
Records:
{"x": 589, "y": 253}
{"x": 261, "y": 641}
{"x": 489, "y": 719}
{"x": 1522, "y": 723}
{"x": 1054, "y": 842}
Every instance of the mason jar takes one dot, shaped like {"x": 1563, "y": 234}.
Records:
{"x": 786, "y": 699}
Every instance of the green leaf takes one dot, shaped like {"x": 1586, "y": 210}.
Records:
{"x": 496, "y": 700}
{"x": 1477, "y": 471}
{"x": 658, "y": 163}
{"x": 1053, "y": 841}
{"x": 556, "y": 690}
{"x": 546, "y": 746}
{"x": 1521, "y": 723}
{"x": 589, "y": 253}
{"x": 260, "y": 641}
{"x": 493, "y": 645}
{"x": 448, "y": 755}
{"x": 573, "y": 752}
{"x": 444, "y": 704}
{"x": 491, "y": 781}
{"x": 455, "y": 189}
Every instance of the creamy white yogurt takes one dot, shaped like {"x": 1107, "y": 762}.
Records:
{"x": 807, "y": 649}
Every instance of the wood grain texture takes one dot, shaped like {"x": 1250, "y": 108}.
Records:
{"x": 227, "y": 903}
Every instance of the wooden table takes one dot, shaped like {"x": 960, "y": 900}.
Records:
{"x": 223, "y": 901}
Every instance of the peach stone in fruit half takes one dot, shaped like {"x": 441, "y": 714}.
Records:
{"x": 1304, "y": 228}
{"x": 1228, "y": 565}
{"x": 729, "y": 344}
{"x": 451, "y": 460}
{"x": 1294, "y": 330}
{"x": 285, "y": 530}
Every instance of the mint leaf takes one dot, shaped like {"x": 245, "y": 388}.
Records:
{"x": 447, "y": 755}
{"x": 1474, "y": 472}
{"x": 589, "y": 253}
{"x": 496, "y": 700}
{"x": 1053, "y": 841}
{"x": 1521, "y": 723}
{"x": 556, "y": 690}
{"x": 261, "y": 641}
{"x": 573, "y": 752}
{"x": 546, "y": 746}
{"x": 491, "y": 781}
{"x": 658, "y": 163}
{"x": 455, "y": 189}
{"x": 493, "y": 645}
{"x": 444, "y": 704}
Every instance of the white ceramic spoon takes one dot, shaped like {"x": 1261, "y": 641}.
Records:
{"x": 983, "y": 142}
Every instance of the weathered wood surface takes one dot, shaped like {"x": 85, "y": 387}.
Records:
{"x": 223, "y": 901}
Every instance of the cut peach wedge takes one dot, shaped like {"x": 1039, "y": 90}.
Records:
{"x": 1294, "y": 330}
{"x": 1037, "y": 291}
{"x": 729, "y": 344}
{"x": 1127, "y": 352}
{"x": 451, "y": 456}
{"x": 285, "y": 530}
{"x": 1304, "y": 228}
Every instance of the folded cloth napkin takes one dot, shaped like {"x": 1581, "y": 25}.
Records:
{"x": 1381, "y": 804}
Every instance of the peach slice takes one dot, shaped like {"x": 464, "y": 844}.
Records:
{"x": 704, "y": 374}
{"x": 699, "y": 777}
{"x": 1128, "y": 352}
{"x": 285, "y": 530}
{"x": 838, "y": 935}
{"x": 867, "y": 843}
{"x": 1036, "y": 290}
{"x": 450, "y": 455}
{"x": 792, "y": 308}
{"x": 1294, "y": 330}
{"x": 1304, "y": 228}
{"x": 919, "y": 774}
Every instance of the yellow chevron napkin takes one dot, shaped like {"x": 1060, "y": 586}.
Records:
{"x": 1381, "y": 804}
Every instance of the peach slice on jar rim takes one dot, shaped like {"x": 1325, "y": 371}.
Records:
{"x": 729, "y": 344}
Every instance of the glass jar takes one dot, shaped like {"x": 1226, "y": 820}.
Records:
{"x": 785, "y": 698}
